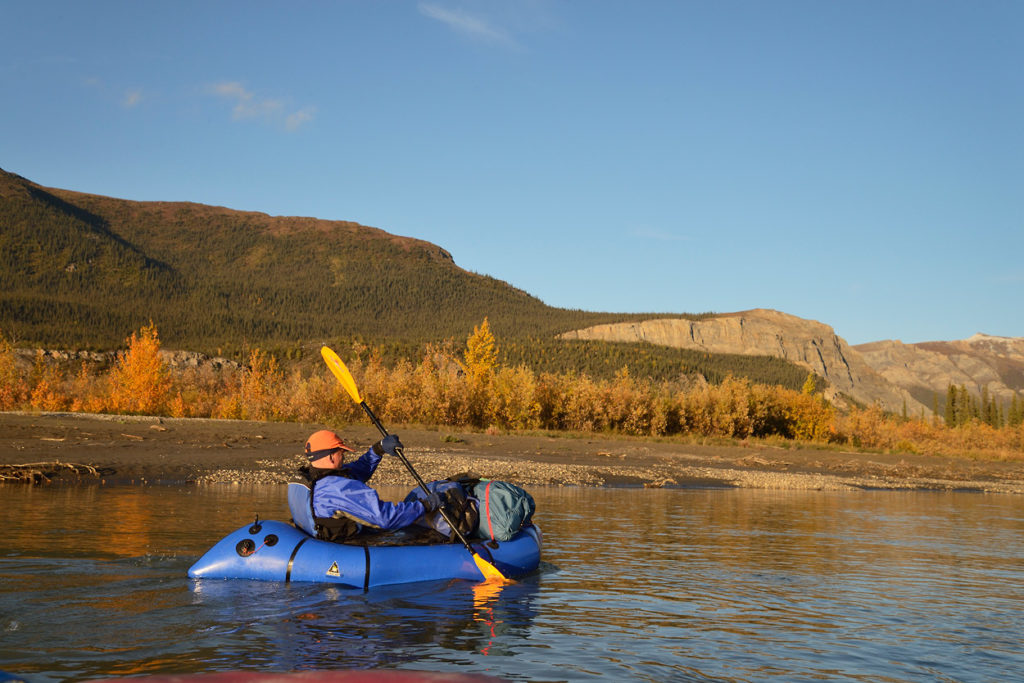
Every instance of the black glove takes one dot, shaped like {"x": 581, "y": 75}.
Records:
{"x": 431, "y": 503}
{"x": 389, "y": 444}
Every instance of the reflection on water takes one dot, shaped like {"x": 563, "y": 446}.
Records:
{"x": 301, "y": 627}
{"x": 635, "y": 584}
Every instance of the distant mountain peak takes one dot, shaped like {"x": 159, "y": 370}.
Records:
{"x": 766, "y": 332}
{"x": 982, "y": 337}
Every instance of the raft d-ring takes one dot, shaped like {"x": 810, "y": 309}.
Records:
{"x": 245, "y": 547}
{"x": 271, "y": 539}
{"x": 256, "y": 527}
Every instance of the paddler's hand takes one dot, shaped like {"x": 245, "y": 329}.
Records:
{"x": 431, "y": 503}
{"x": 389, "y": 444}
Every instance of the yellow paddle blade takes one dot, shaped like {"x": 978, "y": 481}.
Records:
{"x": 341, "y": 372}
{"x": 489, "y": 571}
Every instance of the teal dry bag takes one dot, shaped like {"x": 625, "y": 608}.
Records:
{"x": 504, "y": 509}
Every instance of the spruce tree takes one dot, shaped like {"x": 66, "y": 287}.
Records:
{"x": 951, "y": 417}
{"x": 965, "y": 406}
{"x": 1015, "y": 416}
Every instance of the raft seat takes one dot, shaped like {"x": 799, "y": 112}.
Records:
{"x": 301, "y": 505}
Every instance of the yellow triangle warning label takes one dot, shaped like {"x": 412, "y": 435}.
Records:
{"x": 334, "y": 571}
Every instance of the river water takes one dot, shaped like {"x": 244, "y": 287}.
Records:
{"x": 635, "y": 584}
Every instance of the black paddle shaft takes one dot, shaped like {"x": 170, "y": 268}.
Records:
{"x": 408, "y": 465}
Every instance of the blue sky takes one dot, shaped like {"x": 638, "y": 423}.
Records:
{"x": 858, "y": 163}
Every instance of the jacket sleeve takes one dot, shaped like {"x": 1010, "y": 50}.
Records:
{"x": 361, "y": 503}
{"x": 363, "y": 468}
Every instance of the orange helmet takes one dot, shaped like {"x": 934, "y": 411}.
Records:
{"x": 324, "y": 443}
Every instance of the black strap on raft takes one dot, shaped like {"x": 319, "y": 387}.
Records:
{"x": 291, "y": 560}
{"x": 490, "y": 555}
{"x": 366, "y": 576}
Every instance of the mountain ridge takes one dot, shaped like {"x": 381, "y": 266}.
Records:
{"x": 81, "y": 270}
{"x": 983, "y": 364}
{"x": 900, "y": 377}
{"x": 108, "y": 263}
{"x": 807, "y": 343}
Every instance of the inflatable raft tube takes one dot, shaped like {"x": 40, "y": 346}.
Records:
{"x": 276, "y": 551}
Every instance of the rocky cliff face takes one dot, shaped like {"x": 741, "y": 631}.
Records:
{"x": 177, "y": 360}
{"x": 763, "y": 332}
{"x": 982, "y": 361}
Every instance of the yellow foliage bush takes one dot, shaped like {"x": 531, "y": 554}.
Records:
{"x": 443, "y": 395}
{"x": 481, "y": 355}
{"x": 255, "y": 391}
{"x": 441, "y": 390}
{"x": 400, "y": 401}
{"x": 140, "y": 382}
{"x": 811, "y": 417}
{"x": 13, "y": 388}
{"x": 179, "y": 406}
{"x": 512, "y": 402}
{"x": 47, "y": 391}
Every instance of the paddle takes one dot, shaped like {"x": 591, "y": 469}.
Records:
{"x": 489, "y": 571}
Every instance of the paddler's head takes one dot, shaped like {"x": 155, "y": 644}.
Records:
{"x": 326, "y": 450}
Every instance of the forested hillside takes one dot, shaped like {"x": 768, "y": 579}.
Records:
{"x": 81, "y": 271}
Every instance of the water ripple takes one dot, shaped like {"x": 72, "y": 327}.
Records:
{"x": 635, "y": 585}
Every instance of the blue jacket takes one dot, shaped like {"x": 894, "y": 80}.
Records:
{"x": 347, "y": 492}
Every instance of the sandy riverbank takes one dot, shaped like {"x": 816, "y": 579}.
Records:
{"x": 139, "y": 450}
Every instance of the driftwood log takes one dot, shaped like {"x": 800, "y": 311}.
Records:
{"x": 44, "y": 472}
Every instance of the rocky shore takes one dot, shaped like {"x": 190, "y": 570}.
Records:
{"x": 116, "y": 450}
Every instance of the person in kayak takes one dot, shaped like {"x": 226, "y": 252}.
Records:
{"x": 344, "y": 505}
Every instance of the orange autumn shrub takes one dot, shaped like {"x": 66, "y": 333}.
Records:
{"x": 254, "y": 392}
{"x": 47, "y": 391}
{"x": 87, "y": 392}
{"x": 810, "y": 416}
{"x": 400, "y": 400}
{"x": 315, "y": 398}
{"x": 481, "y": 354}
{"x": 730, "y": 405}
{"x": 14, "y": 389}
{"x": 512, "y": 402}
{"x": 624, "y": 405}
{"x": 730, "y": 409}
{"x": 443, "y": 395}
{"x": 575, "y": 403}
{"x": 139, "y": 381}
{"x": 865, "y": 427}
{"x": 440, "y": 390}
